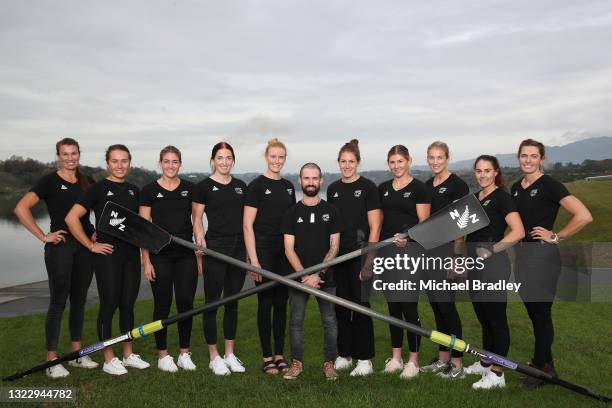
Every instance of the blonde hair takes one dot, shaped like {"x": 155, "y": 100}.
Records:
{"x": 439, "y": 145}
{"x": 275, "y": 143}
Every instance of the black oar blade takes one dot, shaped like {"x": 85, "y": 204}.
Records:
{"x": 460, "y": 218}
{"x": 125, "y": 224}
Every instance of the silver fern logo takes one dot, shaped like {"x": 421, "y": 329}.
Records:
{"x": 115, "y": 221}
{"x": 464, "y": 219}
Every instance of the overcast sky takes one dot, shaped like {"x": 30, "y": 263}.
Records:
{"x": 480, "y": 75}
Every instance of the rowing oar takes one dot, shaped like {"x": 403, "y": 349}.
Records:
{"x": 118, "y": 225}
{"x": 457, "y": 219}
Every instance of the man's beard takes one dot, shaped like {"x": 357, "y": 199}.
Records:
{"x": 311, "y": 192}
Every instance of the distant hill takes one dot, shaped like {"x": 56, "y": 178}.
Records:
{"x": 595, "y": 148}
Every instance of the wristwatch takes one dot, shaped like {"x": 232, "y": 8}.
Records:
{"x": 554, "y": 238}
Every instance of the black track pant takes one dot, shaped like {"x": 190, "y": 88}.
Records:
{"x": 355, "y": 330}
{"x": 70, "y": 270}
{"x": 118, "y": 280}
{"x": 408, "y": 311}
{"x": 221, "y": 277}
{"x": 490, "y": 306}
{"x": 443, "y": 302}
{"x": 538, "y": 266}
{"x": 272, "y": 303}
{"x": 178, "y": 271}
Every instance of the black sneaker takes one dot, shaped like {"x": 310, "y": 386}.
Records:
{"x": 532, "y": 383}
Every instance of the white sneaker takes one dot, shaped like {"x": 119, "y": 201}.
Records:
{"x": 83, "y": 362}
{"x": 57, "y": 371}
{"x": 343, "y": 363}
{"x": 410, "y": 371}
{"x": 166, "y": 363}
{"x": 393, "y": 366}
{"x": 135, "y": 361}
{"x": 219, "y": 367}
{"x": 490, "y": 380}
{"x": 233, "y": 363}
{"x": 114, "y": 367}
{"x": 363, "y": 368}
{"x": 476, "y": 369}
{"x": 184, "y": 361}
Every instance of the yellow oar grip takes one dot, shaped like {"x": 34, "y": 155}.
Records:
{"x": 147, "y": 329}
{"x": 448, "y": 341}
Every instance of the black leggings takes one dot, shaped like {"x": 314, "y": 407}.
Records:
{"x": 118, "y": 280}
{"x": 272, "y": 303}
{"x": 69, "y": 269}
{"x": 355, "y": 330}
{"x": 538, "y": 266}
{"x": 408, "y": 311}
{"x": 490, "y": 306}
{"x": 221, "y": 277}
{"x": 178, "y": 270}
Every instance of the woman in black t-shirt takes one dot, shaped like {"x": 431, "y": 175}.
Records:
{"x": 116, "y": 263}
{"x": 405, "y": 202}
{"x": 268, "y": 197}
{"x": 445, "y": 188}
{"x": 68, "y": 262}
{"x": 357, "y": 200}
{"x": 538, "y": 265}
{"x": 167, "y": 203}
{"x": 221, "y": 197}
{"x": 490, "y": 244}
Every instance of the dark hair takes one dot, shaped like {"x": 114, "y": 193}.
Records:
{"x": 82, "y": 180}
{"x": 351, "y": 147}
{"x": 534, "y": 143}
{"x": 216, "y": 148}
{"x": 439, "y": 145}
{"x": 311, "y": 166}
{"x": 170, "y": 149}
{"x": 499, "y": 178}
{"x": 399, "y": 149}
{"x": 114, "y": 147}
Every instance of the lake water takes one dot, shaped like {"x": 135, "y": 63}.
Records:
{"x": 21, "y": 254}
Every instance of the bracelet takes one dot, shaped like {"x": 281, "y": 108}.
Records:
{"x": 44, "y": 238}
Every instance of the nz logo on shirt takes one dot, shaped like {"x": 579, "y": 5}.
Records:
{"x": 110, "y": 193}
{"x": 63, "y": 187}
{"x": 464, "y": 219}
{"x": 184, "y": 193}
{"x": 533, "y": 192}
{"x": 357, "y": 193}
{"x": 442, "y": 190}
{"x": 325, "y": 217}
{"x": 267, "y": 192}
{"x": 115, "y": 221}
{"x": 215, "y": 188}
{"x": 289, "y": 191}
{"x": 336, "y": 194}
{"x": 386, "y": 194}
{"x": 407, "y": 194}
{"x": 486, "y": 203}
{"x": 238, "y": 190}
{"x": 300, "y": 220}
{"x": 131, "y": 192}
{"x": 160, "y": 195}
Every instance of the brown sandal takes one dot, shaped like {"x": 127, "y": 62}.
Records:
{"x": 269, "y": 367}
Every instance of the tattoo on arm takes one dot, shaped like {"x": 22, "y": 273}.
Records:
{"x": 334, "y": 247}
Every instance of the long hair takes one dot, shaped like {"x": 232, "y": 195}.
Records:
{"x": 499, "y": 179}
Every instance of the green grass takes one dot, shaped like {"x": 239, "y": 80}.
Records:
{"x": 581, "y": 328}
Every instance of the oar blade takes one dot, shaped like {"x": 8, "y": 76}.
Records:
{"x": 122, "y": 223}
{"x": 460, "y": 218}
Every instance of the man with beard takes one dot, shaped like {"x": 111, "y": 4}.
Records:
{"x": 311, "y": 231}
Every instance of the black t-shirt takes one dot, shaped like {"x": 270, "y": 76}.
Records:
{"x": 498, "y": 204}
{"x": 353, "y": 201}
{"x": 125, "y": 194}
{"x": 447, "y": 192}
{"x": 171, "y": 210}
{"x": 538, "y": 204}
{"x": 59, "y": 195}
{"x": 223, "y": 205}
{"x": 312, "y": 226}
{"x": 271, "y": 198}
{"x": 399, "y": 207}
